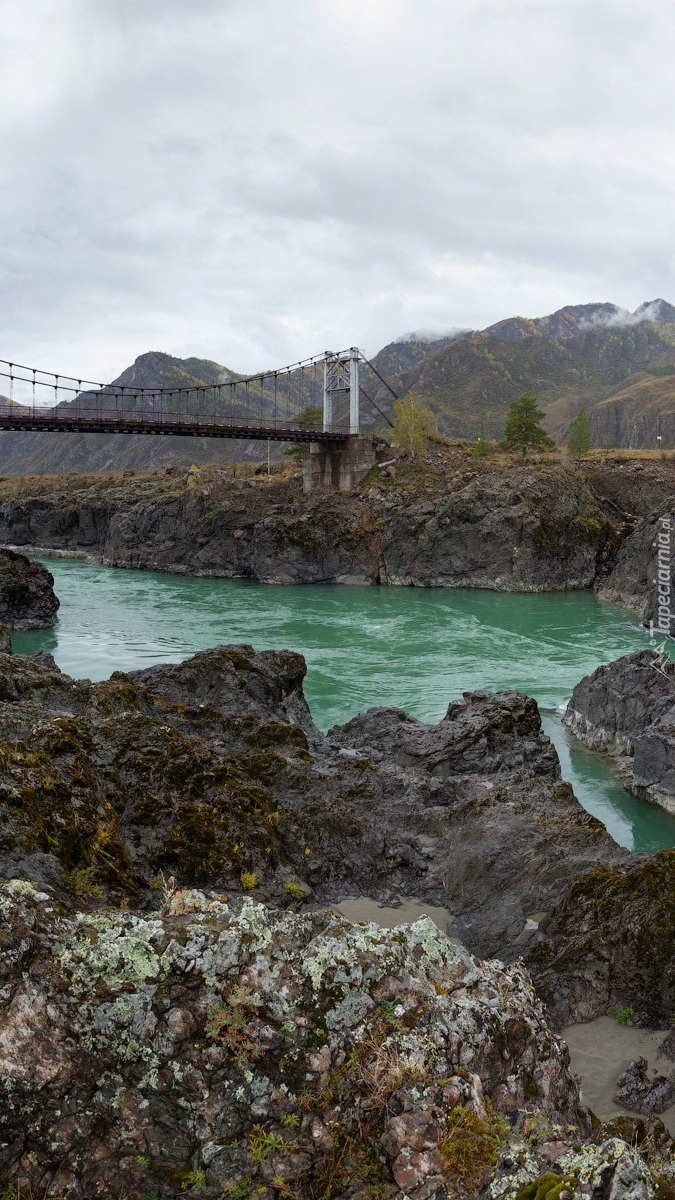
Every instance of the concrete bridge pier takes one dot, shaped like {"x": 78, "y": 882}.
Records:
{"x": 338, "y": 465}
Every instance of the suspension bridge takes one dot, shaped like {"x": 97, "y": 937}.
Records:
{"x": 279, "y": 405}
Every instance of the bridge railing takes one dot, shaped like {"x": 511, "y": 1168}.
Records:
{"x": 139, "y": 416}
{"x": 106, "y": 418}
{"x": 271, "y": 403}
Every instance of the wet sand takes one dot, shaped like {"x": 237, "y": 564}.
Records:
{"x": 362, "y": 908}
{"x": 601, "y": 1050}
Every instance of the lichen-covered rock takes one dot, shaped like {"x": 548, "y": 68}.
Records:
{"x": 27, "y": 599}
{"x": 641, "y": 1092}
{"x": 610, "y": 1171}
{"x": 233, "y": 1048}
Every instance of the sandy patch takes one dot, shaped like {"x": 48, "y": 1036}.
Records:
{"x": 362, "y": 908}
{"x": 601, "y": 1050}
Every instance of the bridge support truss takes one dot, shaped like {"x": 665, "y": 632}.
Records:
{"x": 340, "y": 377}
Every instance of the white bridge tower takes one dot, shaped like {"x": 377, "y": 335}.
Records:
{"x": 340, "y": 375}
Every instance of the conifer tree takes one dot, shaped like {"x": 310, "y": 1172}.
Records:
{"x": 311, "y": 415}
{"x": 579, "y": 441}
{"x": 482, "y": 447}
{"x": 522, "y": 430}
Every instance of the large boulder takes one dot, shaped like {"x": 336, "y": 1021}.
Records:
{"x": 27, "y": 599}
{"x": 485, "y": 732}
{"x": 641, "y": 1092}
{"x": 609, "y": 942}
{"x": 229, "y": 1048}
{"x": 627, "y": 709}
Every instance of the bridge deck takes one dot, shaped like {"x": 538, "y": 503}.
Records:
{"x": 163, "y": 424}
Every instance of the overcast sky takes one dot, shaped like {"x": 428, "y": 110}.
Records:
{"x": 256, "y": 181}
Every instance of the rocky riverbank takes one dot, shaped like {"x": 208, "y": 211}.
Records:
{"x": 179, "y": 1011}
{"x": 212, "y": 772}
{"x": 447, "y": 521}
{"x": 625, "y": 709}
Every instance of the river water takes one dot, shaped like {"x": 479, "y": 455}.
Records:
{"x": 413, "y": 648}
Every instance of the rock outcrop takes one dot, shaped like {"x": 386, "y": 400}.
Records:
{"x": 27, "y": 599}
{"x": 226, "y": 1048}
{"x": 609, "y": 942}
{"x": 483, "y": 734}
{"x": 627, "y": 709}
{"x": 158, "y": 1037}
{"x": 641, "y": 1092}
{"x": 220, "y": 1048}
{"x": 633, "y": 578}
{"x": 212, "y": 771}
{"x": 451, "y": 525}
{"x": 610, "y": 1170}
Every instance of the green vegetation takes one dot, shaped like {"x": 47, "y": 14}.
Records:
{"x": 482, "y": 448}
{"x": 579, "y": 441}
{"x": 469, "y": 1146}
{"x": 548, "y": 1187}
{"x": 294, "y": 889}
{"x": 413, "y": 424}
{"x": 263, "y": 1145}
{"x": 522, "y": 430}
{"x": 230, "y": 1023}
{"x": 195, "y": 1181}
{"x": 311, "y": 417}
{"x": 624, "y": 1015}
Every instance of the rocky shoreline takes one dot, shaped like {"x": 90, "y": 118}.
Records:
{"x": 178, "y": 997}
{"x": 204, "y": 1037}
{"x": 625, "y": 709}
{"x": 446, "y": 521}
{"x": 27, "y": 599}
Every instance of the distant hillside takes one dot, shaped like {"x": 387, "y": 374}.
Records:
{"x": 581, "y": 356}
{"x": 639, "y": 410}
{"x": 47, "y": 453}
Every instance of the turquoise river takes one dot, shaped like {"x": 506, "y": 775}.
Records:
{"x": 415, "y": 649}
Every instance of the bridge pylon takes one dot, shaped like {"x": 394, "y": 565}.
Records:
{"x": 340, "y": 377}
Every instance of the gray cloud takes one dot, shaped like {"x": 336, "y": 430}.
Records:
{"x": 253, "y": 181}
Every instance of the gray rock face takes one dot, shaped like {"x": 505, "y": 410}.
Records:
{"x": 632, "y": 578}
{"x": 628, "y": 709}
{"x": 27, "y": 599}
{"x": 638, "y": 572}
{"x": 212, "y": 771}
{"x": 484, "y": 733}
{"x": 641, "y": 1092}
{"x": 535, "y": 532}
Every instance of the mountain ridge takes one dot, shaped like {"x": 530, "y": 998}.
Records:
{"x": 618, "y": 365}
